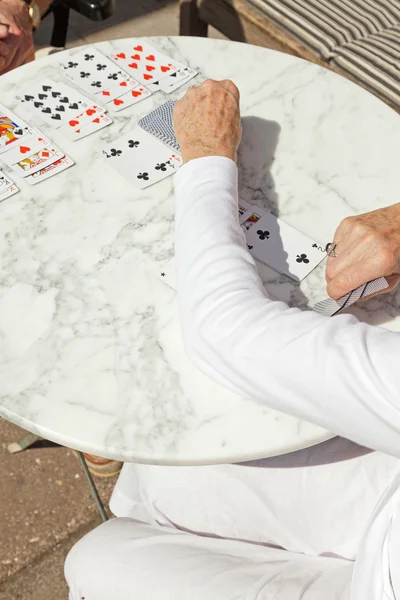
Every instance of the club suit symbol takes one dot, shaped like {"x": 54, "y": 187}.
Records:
{"x": 263, "y": 235}
{"x": 302, "y": 258}
{"x": 144, "y": 176}
{"x": 113, "y": 153}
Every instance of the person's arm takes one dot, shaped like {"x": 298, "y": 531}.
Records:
{"x": 336, "y": 372}
{"x": 16, "y": 39}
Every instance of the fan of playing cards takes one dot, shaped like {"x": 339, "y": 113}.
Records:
{"x": 128, "y": 75}
{"x": 28, "y": 152}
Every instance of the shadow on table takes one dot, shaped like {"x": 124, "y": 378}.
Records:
{"x": 256, "y": 185}
{"x": 332, "y": 451}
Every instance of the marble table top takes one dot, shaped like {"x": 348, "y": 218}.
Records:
{"x": 91, "y": 354}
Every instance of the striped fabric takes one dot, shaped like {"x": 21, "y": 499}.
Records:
{"x": 324, "y": 25}
{"x": 361, "y": 38}
{"x": 374, "y": 62}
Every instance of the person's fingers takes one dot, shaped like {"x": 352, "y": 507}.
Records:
{"x": 231, "y": 88}
{"x": 355, "y": 275}
{"x": 12, "y": 61}
{"x": 4, "y": 49}
{"x": 352, "y": 253}
{"x": 393, "y": 281}
{"x": 4, "y": 30}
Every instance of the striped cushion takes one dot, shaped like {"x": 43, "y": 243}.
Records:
{"x": 323, "y": 25}
{"x": 374, "y": 62}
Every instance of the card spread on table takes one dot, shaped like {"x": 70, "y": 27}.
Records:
{"x": 142, "y": 159}
{"x": 132, "y": 97}
{"x": 97, "y": 74}
{"x": 81, "y": 126}
{"x": 36, "y": 142}
{"x": 280, "y": 246}
{"x": 65, "y": 108}
{"x": 35, "y": 158}
{"x": 168, "y": 274}
{"x": 38, "y": 160}
{"x": 92, "y": 70}
{"x": 12, "y": 129}
{"x": 60, "y": 165}
{"x": 7, "y": 187}
{"x": 119, "y": 88}
{"x": 143, "y": 62}
{"x": 54, "y": 102}
{"x": 159, "y": 123}
{"x": 173, "y": 82}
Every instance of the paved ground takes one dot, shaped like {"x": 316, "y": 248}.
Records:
{"x": 45, "y": 506}
{"x": 45, "y": 502}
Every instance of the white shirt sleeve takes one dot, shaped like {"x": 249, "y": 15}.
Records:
{"x": 336, "y": 372}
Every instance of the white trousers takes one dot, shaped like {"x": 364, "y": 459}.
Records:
{"x": 286, "y": 528}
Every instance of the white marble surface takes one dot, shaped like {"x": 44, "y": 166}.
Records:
{"x": 91, "y": 354}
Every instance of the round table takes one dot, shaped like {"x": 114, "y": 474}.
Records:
{"x": 91, "y": 354}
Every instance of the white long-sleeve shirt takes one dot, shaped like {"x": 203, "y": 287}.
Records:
{"x": 336, "y": 372}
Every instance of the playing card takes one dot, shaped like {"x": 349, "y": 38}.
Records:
{"x": 283, "y": 248}
{"x": 56, "y": 103}
{"x": 60, "y": 165}
{"x": 176, "y": 80}
{"x": 25, "y": 149}
{"x": 143, "y": 62}
{"x": 176, "y": 77}
{"x": 7, "y": 187}
{"x": 159, "y": 123}
{"x": 250, "y": 217}
{"x": 132, "y": 97}
{"x": 118, "y": 89}
{"x": 12, "y": 129}
{"x": 84, "y": 118}
{"x": 330, "y": 307}
{"x": 38, "y": 161}
{"x": 243, "y": 207}
{"x": 141, "y": 158}
{"x": 168, "y": 274}
{"x": 92, "y": 71}
{"x": 79, "y": 131}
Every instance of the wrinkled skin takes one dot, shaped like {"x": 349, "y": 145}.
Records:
{"x": 207, "y": 123}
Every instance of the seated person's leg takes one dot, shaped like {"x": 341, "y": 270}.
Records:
{"x": 314, "y": 501}
{"x": 124, "y": 559}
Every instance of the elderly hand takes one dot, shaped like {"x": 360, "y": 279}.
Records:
{"x": 207, "y": 121}
{"x": 16, "y": 42}
{"x": 368, "y": 246}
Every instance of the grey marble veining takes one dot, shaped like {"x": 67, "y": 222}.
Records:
{"x": 91, "y": 354}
